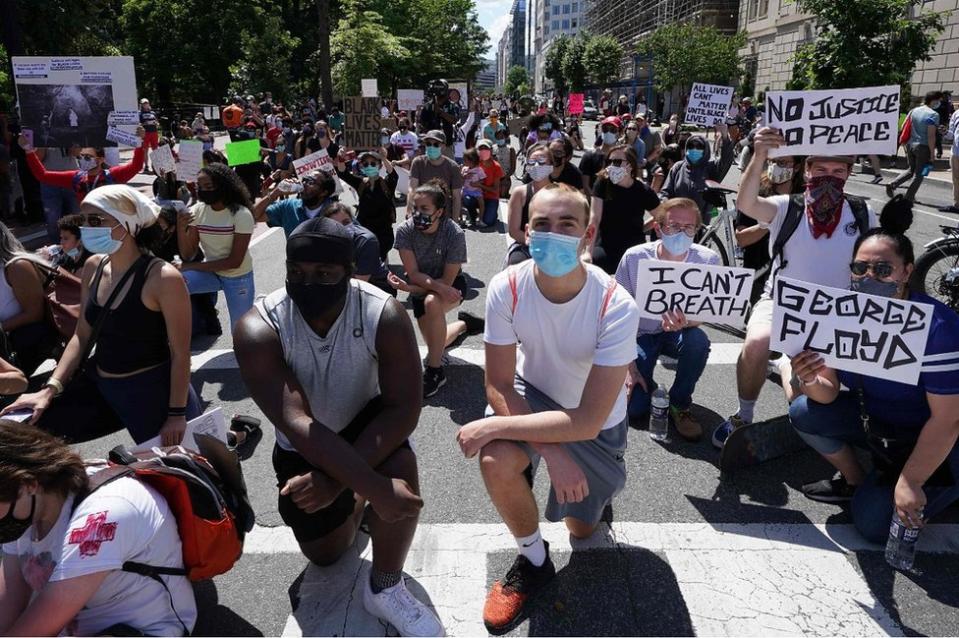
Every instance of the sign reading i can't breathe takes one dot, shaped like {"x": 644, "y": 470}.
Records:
{"x": 835, "y": 122}
{"x": 716, "y": 294}
{"x": 870, "y": 335}
{"x": 361, "y": 125}
{"x": 708, "y": 104}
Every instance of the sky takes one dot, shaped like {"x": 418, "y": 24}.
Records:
{"x": 493, "y": 16}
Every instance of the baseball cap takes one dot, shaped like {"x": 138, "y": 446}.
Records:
{"x": 484, "y": 143}
{"x": 612, "y": 119}
{"x": 372, "y": 154}
{"x": 435, "y": 135}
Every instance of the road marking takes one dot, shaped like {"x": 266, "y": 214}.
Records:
{"x": 256, "y": 240}
{"x": 735, "y": 579}
{"x": 932, "y": 214}
{"x": 224, "y": 359}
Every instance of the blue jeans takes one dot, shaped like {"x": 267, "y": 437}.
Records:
{"x": 57, "y": 202}
{"x": 689, "y": 346}
{"x": 471, "y": 206}
{"x": 490, "y": 211}
{"x": 239, "y": 291}
{"x": 827, "y": 428}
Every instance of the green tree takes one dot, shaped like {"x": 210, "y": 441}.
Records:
{"x": 573, "y": 65}
{"x": 48, "y": 27}
{"x": 516, "y": 77}
{"x": 686, "y": 53}
{"x": 864, "y": 43}
{"x": 553, "y": 66}
{"x": 6, "y": 87}
{"x": 266, "y": 61}
{"x": 603, "y": 59}
{"x": 362, "y": 47}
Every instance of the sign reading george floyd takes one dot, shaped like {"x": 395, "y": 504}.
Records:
{"x": 835, "y": 122}
{"x": 870, "y": 335}
{"x": 361, "y": 126}
{"x": 708, "y": 104}
{"x": 716, "y": 294}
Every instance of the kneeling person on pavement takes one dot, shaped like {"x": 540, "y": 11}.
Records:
{"x": 559, "y": 338}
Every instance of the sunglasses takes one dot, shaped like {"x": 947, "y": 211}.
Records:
{"x": 880, "y": 269}
{"x": 631, "y": 128}
{"x": 92, "y": 220}
{"x": 373, "y": 164}
{"x": 615, "y": 162}
{"x": 537, "y": 163}
{"x": 434, "y": 144}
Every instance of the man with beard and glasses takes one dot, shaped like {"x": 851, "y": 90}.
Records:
{"x": 315, "y": 197}
{"x": 812, "y": 237}
{"x": 333, "y": 363}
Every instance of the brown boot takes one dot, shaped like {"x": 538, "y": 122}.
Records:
{"x": 687, "y": 425}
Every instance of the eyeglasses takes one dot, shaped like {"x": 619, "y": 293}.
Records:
{"x": 881, "y": 269}
{"x": 615, "y": 162}
{"x": 434, "y": 144}
{"x": 689, "y": 229}
{"x": 631, "y": 128}
{"x": 537, "y": 162}
{"x": 93, "y": 220}
{"x": 308, "y": 181}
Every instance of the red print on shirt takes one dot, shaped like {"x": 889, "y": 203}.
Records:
{"x": 94, "y": 532}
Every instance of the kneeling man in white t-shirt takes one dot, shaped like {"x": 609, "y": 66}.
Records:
{"x": 560, "y": 336}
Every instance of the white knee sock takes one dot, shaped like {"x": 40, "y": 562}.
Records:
{"x": 532, "y": 548}
{"x": 746, "y": 409}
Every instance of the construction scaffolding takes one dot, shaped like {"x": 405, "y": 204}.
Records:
{"x": 630, "y": 20}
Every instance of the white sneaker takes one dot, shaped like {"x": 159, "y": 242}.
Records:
{"x": 397, "y": 606}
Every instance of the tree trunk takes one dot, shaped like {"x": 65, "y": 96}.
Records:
{"x": 326, "y": 74}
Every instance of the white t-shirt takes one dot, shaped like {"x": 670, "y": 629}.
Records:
{"x": 123, "y": 520}
{"x": 819, "y": 261}
{"x": 559, "y": 343}
{"x": 407, "y": 141}
{"x": 953, "y": 127}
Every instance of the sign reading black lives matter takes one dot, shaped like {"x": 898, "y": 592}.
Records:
{"x": 67, "y": 101}
{"x": 838, "y": 122}
{"x": 361, "y": 123}
{"x": 871, "y": 335}
{"x": 716, "y": 294}
{"x": 708, "y": 104}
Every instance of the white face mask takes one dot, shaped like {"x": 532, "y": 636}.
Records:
{"x": 539, "y": 172}
{"x": 616, "y": 173}
{"x": 87, "y": 164}
{"x": 779, "y": 174}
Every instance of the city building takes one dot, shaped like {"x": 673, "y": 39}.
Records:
{"x": 486, "y": 79}
{"x": 511, "y": 50}
{"x": 775, "y": 30}
{"x": 552, "y": 19}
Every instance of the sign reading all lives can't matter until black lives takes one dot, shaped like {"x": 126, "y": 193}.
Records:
{"x": 361, "y": 123}
{"x": 852, "y": 331}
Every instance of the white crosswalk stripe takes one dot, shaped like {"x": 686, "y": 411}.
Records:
{"x": 807, "y": 584}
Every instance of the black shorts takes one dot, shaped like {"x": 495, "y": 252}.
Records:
{"x": 419, "y": 307}
{"x": 310, "y": 527}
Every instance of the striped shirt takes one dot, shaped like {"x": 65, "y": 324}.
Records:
{"x": 217, "y": 229}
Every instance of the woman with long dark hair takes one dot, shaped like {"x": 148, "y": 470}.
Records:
{"x": 222, "y": 225}
{"x": 22, "y": 303}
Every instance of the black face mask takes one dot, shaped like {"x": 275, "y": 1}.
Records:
{"x": 13, "y": 528}
{"x": 313, "y": 300}
{"x": 208, "y": 195}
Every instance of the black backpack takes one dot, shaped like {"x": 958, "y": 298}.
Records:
{"x": 795, "y": 213}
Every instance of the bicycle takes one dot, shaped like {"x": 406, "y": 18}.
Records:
{"x": 937, "y": 269}
{"x": 721, "y": 232}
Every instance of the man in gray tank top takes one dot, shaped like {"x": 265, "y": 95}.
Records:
{"x": 333, "y": 363}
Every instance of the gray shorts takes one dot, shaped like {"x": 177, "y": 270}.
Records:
{"x": 601, "y": 460}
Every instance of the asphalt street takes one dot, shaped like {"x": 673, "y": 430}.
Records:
{"x": 687, "y": 553}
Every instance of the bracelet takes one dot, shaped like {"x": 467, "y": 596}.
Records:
{"x": 176, "y": 411}
{"x": 54, "y": 383}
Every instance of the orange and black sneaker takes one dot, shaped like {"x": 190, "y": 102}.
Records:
{"x": 506, "y": 600}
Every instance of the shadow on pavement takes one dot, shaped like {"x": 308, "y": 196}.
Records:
{"x": 463, "y": 408}
{"x": 216, "y": 620}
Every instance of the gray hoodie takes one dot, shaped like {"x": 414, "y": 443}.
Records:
{"x": 686, "y": 180}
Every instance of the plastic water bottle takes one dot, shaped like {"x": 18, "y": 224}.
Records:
{"x": 659, "y": 415}
{"x": 901, "y": 546}
{"x": 926, "y": 170}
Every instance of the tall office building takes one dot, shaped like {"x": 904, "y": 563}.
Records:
{"x": 511, "y": 50}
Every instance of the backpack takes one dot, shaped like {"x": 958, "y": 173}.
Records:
{"x": 906, "y": 132}
{"x": 795, "y": 213}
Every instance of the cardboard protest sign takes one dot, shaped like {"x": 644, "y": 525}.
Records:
{"x": 68, "y": 101}
{"x": 320, "y": 159}
{"x": 708, "y": 104}
{"x": 575, "y": 103}
{"x": 716, "y": 294}
{"x": 111, "y": 155}
{"x": 190, "y": 160}
{"x": 245, "y": 152}
{"x": 409, "y": 99}
{"x": 368, "y": 87}
{"x": 123, "y": 138}
{"x": 874, "y": 336}
{"x": 459, "y": 93}
{"x": 835, "y": 122}
{"x": 128, "y": 118}
{"x": 361, "y": 125}
{"x": 162, "y": 159}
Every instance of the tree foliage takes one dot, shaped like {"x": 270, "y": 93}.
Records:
{"x": 574, "y": 67}
{"x": 686, "y": 53}
{"x": 864, "y": 43}
{"x": 516, "y": 78}
{"x": 6, "y": 86}
{"x": 553, "y": 65}
{"x": 603, "y": 58}
{"x": 362, "y": 47}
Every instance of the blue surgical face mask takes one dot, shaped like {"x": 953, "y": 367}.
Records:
{"x": 99, "y": 240}
{"x": 433, "y": 152}
{"x": 370, "y": 171}
{"x": 73, "y": 253}
{"x": 693, "y": 155}
{"x": 677, "y": 244}
{"x": 609, "y": 138}
{"x": 870, "y": 286}
{"x": 554, "y": 254}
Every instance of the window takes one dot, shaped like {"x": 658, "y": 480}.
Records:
{"x": 575, "y": 7}
{"x": 565, "y": 9}
{"x": 555, "y": 25}
{"x": 566, "y": 25}
{"x": 574, "y": 23}
{"x": 555, "y": 9}
{"x": 763, "y": 8}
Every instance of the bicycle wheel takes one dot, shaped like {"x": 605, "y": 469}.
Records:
{"x": 520, "y": 165}
{"x": 711, "y": 240}
{"x": 937, "y": 274}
